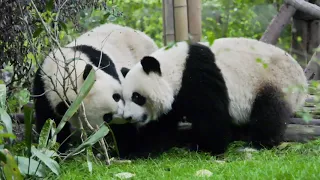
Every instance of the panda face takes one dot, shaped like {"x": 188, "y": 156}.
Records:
{"x": 146, "y": 92}
{"x": 104, "y": 100}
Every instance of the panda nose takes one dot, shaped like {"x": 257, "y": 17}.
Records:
{"x": 108, "y": 117}
{"x": 129, "y": 118}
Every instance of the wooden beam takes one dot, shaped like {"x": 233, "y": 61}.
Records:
{"x": 181, "y": 20}
{"x": 168, "y": 21}
{"x": 306, "y": 7}
{"x": 194, "y": 19}
{"x": 301, "y": 133}
{"x": 278, "y": 23}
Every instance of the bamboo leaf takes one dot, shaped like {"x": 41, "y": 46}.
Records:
{"x": 103, "y": 131}
{"x": 6, "y": 119}
{"x": 45, "y": 133}
{"x": 87, "y": 85}
{"x": 32, "y": 168}
{"x": 50, "y": 163}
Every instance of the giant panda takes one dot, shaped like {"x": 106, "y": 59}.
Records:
{"x": 220, "y": 90}
{"x": 104, "y": 102}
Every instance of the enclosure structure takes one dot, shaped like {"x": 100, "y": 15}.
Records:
{"x": 182, "y": 18}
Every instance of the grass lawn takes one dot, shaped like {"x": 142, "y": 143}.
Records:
{"x": 292, "y": 161}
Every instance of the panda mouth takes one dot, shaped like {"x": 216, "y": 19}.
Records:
{"x": 144, "y": 118}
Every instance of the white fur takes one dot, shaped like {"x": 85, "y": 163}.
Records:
{"x": 99, "y": 100}
{"x": 236, "y": 57}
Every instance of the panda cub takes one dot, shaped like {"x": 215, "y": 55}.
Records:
{"x": 105, "y": 49}
{"x": 219, "y": 90}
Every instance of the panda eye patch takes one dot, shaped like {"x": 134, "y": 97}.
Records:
{"x": 116, "y": 97}
{"x": 138, "y": 99}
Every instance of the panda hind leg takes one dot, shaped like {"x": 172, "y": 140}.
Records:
{"x": 268, "y": 118}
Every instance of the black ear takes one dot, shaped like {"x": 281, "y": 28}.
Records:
{"x": 86, "y": 71}
{"x": 150, "y": 64}
{"x": 124, "y": 71}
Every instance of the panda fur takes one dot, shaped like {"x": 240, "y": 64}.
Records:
{"x": 118, "y": 51}
{"x": 127, "y": 44}
{"x": 220, "y": 89}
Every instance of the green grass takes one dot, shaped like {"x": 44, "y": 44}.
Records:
{"x": 294, "y": 161}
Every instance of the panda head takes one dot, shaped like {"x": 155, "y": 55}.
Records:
{"x": 146, "y": 92}
{"x": 104, "y": 100}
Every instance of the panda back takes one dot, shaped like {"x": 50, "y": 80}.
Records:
{"x": 242, "y": 60}
{"x": 54, "y": 72}
{"x": 127, "y": 45}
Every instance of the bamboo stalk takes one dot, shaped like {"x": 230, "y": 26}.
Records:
{"x": 168, "y": 21}
{"x": 194, "y": 19}
{"x": 180, "y": 20}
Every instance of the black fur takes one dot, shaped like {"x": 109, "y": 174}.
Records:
{"x": 150, "y": 64}
{"x": 62, "y": 108}
{"x": 268, "y": 118}
{"x": 124, "y": 71}
{"x": 42, "y": 107}
{"x": 86, "y": 71}
{"x": 106, "y": 64}
{"x": 205, "y": 106}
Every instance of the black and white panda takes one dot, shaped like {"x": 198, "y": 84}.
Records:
{"x": 219, "y": 90}
{"x": 104, "y": 102}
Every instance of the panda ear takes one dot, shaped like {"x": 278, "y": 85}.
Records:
{"x": 124, "y": 71}
{"x": 86, "y": 71}
{"x": 150, "y": 64}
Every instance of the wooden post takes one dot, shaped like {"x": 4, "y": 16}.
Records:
{"x": 194, "y": 19}
{"x": 300, "y": 48}
{"x": 181, "y": 20}
{"x": 168, "y": 21}
{"x": 312, "y": 71}
{"x": 314, "y": 40}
